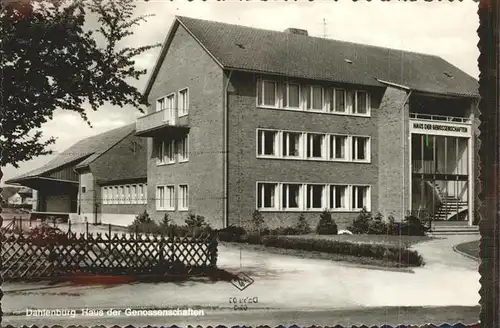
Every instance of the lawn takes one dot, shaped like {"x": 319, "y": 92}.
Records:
{"x": 399, "y": 241}
{"x": 470, "y": 248}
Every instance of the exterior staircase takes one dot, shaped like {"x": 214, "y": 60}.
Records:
{"x": 448, "y": 218}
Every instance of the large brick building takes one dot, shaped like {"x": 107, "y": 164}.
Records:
{"x": 244, "y": 119}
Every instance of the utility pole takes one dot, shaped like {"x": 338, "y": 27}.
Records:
{"x": 324, "y": 28}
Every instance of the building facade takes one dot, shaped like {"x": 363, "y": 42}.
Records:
{"x": 100, "y": 180}
{"x": 291, "y": 125}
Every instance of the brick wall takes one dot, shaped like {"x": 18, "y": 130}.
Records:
{"x": 187, "y": 65}
{"x": 392, "y": 160}
{"x": 245, "y": 169}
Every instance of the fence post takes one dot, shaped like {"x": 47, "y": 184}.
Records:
{"x": 87, "y": 229}
{"x": 109, "y": 238}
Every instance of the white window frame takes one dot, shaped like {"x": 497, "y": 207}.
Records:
{"x": 309, "y": 89}
{"x": 285, "y": 192}
{"x": 104, "y": 193}
{"x": 324, "y": 146}
{"x": 160, "y": 152}
{"x": 331, "y": 196}
{"x": 285, "y": 87}
{"x": 121, "y": 192}
{"x": 170, "y": 197}
{"x": 183, "y": 105}
{"x": 352, "y": 144}
{"x": 133, "y": 194}
{"x": 260, "y": 84}
{"x": 324, "y": 199}
{"x": 183, "y": 140}
{"x": 169, "y": 147}
{"x": 277, "y": 196}
{"x": 331, "y": 147}
{"x": 354, "y": 106}
{"x": 180, "y": 198}
{"x": 332, "y": 102}
{"x": 126, "y": 190}
{"x": 145, "y": 199}
{"x": 368, "y": 197}
{"x": 160, "y": 197}
{"x": 284, "y": 140}
{"x": 277, "y": 140}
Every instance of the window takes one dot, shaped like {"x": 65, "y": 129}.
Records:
{"x": 337, "y": 100}
{"x": 133, "y": 194}
{"x": 183, "y": 102}
{"x": 266, "y": 195}
{"x": 105, "y": 195}
{"x": 170, "y": 198}
{"x": 115, "y": 195}
{"x": 160, "y": 158}
{"x": 169, "y": 152}
{"x": 291, "y": 196}
{"x": 360, "y": 148}
{"x": 360, "y": 197}
{"x": 267, "y": 93}
{"x": 160, "y": 197}
{"x": 291, "y": 95}
{"x": 315, "y": 195}
{"x": 266, "y": 142}
{"x": 161, "y": 104}
{"x": 338, "y": 147}
{"x": 127, "y": 195}
{"x": 315, "y": 145}
{"x": 140, "y": 194}
{"x": 338, "y": 197}
{"x": 292, "y": 144}
{"x": 84, "y": 189}
{"x": 183, "y": 148}
{"x": 360, "y": 102}
{"x": 314, "y": 98}
{"x": 183, "y": 198}
{"x": 122, "y": 194}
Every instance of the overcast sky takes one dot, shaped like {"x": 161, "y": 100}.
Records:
{"x": 440, "y": 28}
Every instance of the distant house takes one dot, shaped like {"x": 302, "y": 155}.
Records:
{"x": 101, "y": 179}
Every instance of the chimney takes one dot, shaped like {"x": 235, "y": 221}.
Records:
{"x": 296, "y": 31}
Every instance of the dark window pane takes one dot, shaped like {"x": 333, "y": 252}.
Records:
{"x": 340, "y": 100}
{"x": 317, "y": 98}
{"x": 362, "y": 107}
{"x": 269, "y": 93}
{"x": 269, "y": 137}
{"x": 294, "y": 95}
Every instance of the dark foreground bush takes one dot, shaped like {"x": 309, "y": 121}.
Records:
{"x": 231, "y": 234}
{"x": 376, "y": 251}
{"x": 326, "y": 224}
{"x": 365, "y": 223}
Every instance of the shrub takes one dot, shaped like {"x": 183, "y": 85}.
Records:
{"x": 195, "y": 221}
{"x": 257, "y": 221}
{"x": 412, "y": 226}
{"x": 377, "y": 226}
{"x": 378, "y": 251}
{"x": 361, "y": 224}
{"x": 144, "y": 224}
{"x": 303, "y": 226}
{"x": 326, "y": 224}
{"x": 231, "y": 233}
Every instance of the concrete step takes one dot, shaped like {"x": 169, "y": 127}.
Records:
{"x": 452, "y": 233}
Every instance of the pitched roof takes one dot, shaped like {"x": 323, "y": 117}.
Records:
{"x": 85, "y": 151}
{"x": 257, "y": 50}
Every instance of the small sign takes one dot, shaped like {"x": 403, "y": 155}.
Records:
{"x": 440, "y": 127}
{"x": 242, "y": 281}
